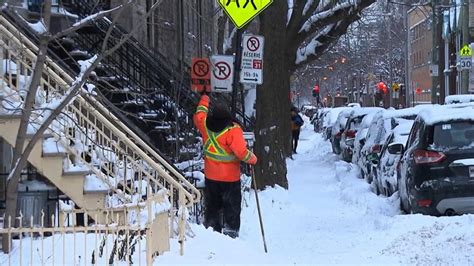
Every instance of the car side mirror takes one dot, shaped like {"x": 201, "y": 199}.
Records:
{"x": 395, "y": 148}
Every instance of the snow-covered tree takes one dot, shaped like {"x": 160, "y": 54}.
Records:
{"x": 297, "y": 32}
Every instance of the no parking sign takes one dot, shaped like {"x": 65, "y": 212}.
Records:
{"x": 222, "y": 73}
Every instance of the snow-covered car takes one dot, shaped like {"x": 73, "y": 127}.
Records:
{"x": 309, "y": 110}
{"x": 381, "y": 126}
{"x": 460, "y": 98}
{"x": 337, "y": 128}
{"x": 437, "y": 167}
{"x": 361, "y": 136}
{"x": 385, "y": 173}
{"x": 353, "y": 125}
{"x": 318, "y": 118}
{"x": 354, "y": 105}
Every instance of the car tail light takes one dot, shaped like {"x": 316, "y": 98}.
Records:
{"x": 425, "y": 157}
{"x": 424, "y": 203}
{"x": 376, "y": 148}
{"x": 351, "y": 133}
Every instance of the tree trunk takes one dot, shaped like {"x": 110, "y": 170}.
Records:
{"x": 13, "y": 179}
{"x": 272, "y": 144}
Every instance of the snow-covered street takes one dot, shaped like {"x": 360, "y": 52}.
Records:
{"x": 330, "y": 216}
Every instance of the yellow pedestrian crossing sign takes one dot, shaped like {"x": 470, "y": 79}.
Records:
{"x": 465, "y": 51}
{"x": 242, "y": 12}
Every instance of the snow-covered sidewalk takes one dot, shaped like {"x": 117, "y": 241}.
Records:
{"x": 330, "y": 216}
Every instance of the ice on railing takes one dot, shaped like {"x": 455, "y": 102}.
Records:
{"x": 156, "y": 208}
{"x": 51, "y": 145}
{"x": 141, "y": 187}
{"x": 196, "y": 176}
{"x": 105, "y": 153}
{"x": 191, "y": 165}
{"x": 94, "y": 183}
{"x": 10, "y": 99}
{"x": 125, "y": 171}
{"x": 8, "y": 66}
{"x": 63, "y": 206}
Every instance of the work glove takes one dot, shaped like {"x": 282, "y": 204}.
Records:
{"x": 252, "y": 160}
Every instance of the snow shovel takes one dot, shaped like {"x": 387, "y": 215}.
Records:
{"x": 258, "y": 208}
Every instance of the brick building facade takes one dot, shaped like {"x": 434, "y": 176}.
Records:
{"x": 420, "y": 43}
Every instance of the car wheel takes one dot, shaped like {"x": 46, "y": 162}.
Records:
{"x": 377, "y": 189}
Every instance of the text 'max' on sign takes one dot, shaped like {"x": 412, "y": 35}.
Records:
{"x": 222, "y": 73}
{"x": 252, "y": 59}
{"x": 242, "y": 12}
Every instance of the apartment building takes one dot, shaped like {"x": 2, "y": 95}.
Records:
{"x": 420, "y": 44}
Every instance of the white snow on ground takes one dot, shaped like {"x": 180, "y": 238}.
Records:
{"x": 328, "y": 216}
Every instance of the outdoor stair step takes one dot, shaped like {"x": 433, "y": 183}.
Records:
{"x": 77, "y": 173}
{"x": 54, "y": 154}
{"x": 10, "y": 116}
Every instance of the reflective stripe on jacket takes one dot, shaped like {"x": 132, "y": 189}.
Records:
{"x": 223, "y": 150}
{"x": 213, "y": 150}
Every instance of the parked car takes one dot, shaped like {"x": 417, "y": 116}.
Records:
{"x": 318, "y": 118}
{"x": 385, "y": 173}
{"x": 436, "y": 175}
{"x": 309, "y": 110}
{"x": 353, "y": 125}
{"x": 337, "y": 128}
{"x": 381, "y": 126}
{"x": 460, "y": 98}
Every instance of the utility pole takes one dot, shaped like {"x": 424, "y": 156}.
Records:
{"x": 238, "y": 55}
{"x": 390, "y": 57}
{"x": 180, "y": 35}
{"x": 464, "y": 41}
{"x": 200, "y": 40}
{"x": 437, "y": 53}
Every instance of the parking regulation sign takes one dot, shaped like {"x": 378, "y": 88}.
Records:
{"x": 252, "y": 59}
{"x": 200, "y": 75}
{"x": 222, "y": 73}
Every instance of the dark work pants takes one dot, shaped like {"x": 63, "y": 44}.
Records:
{"x": 295, "y": 137}
{"x": 225, "y": 198}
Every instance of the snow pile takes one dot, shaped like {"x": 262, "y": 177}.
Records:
{"x": 39, "y": 26}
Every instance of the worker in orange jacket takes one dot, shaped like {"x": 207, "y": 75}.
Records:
{"x": 224, "y": 148}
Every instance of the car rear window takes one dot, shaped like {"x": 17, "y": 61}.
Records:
{"x": 453, "y": 135}
{"x": 355, "y": 122}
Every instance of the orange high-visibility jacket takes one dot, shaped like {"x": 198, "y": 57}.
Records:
{"x": 223, "y": 150}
